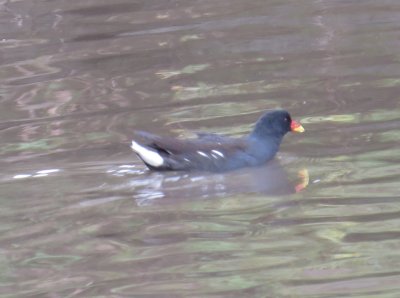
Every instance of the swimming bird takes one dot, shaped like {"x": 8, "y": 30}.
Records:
{"x": 213, "y": 152}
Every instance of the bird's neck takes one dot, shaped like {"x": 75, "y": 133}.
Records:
{"x": 266, "y": 137}
{"x": 265, "y": 145}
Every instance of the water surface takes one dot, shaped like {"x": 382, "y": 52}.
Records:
{"x": 81, "y": 216}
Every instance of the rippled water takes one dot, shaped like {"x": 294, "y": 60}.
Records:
{"x": 81, "y": 216}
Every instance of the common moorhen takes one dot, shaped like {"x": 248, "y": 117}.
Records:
{"x": 216, "y": 153}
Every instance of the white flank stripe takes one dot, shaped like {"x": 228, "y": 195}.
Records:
{"x": 218, "y": 153}
{"x": 202, "y": 154}
{"x": 152, "y": 158}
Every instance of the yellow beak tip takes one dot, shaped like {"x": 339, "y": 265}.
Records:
{"x": 299, "y": 129}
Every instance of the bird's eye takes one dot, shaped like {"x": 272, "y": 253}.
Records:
{"x": 286, "y": 119}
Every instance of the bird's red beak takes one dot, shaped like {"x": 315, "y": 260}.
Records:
{"x": 296, "y": 127}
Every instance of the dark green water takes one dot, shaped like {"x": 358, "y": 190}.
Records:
{"x": 80, "y": 216}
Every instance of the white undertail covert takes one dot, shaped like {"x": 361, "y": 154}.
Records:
{"x": 149, "y": 156}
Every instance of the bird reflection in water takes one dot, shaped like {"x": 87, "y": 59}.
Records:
{"x": 270, "y": 180}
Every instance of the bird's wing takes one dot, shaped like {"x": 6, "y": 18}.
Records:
{"x": 205, "y": 142}
{"x": 212, "y": 137}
